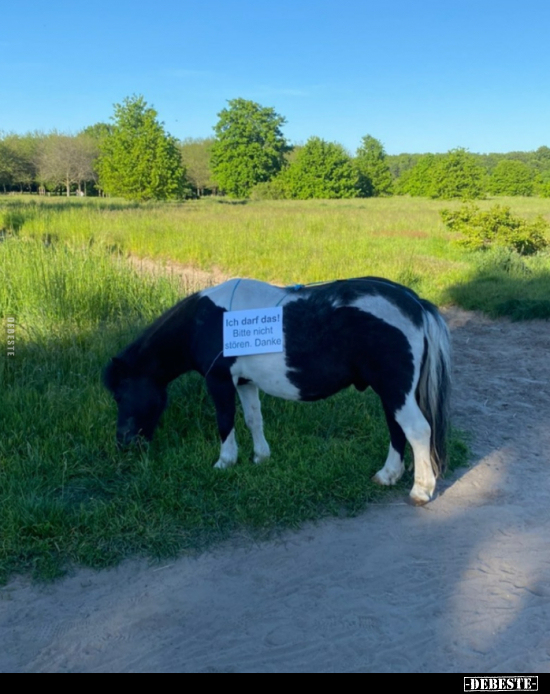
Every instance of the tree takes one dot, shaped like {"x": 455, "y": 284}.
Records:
{"x": 375, "y": 178}
{"x": 511, "y": 177}
{"x": 418, "y": 180}
{"x": 97, "y": 134}
{"x": 542, "y": 185}
{"x": 67, "y": 160}
{"x": 139, "y": 160}
{"x": 456, "y": 174}
{"x": 399, "y": 164}
{"x": 542, "y": 158}
{"x": 249, "y": 147}
{"x": 542, "y": 168}
{"x": 8, "y": 164}
{"x": 195, "y": 154}
{"x": 20, "y": 162}
{"x": 321, "y": 169}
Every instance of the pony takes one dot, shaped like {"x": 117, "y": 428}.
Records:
{"x": 359, "y": 332}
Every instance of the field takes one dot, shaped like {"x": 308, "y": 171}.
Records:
{"x": 309, "y": 241}
{"x": 66, "y": 493}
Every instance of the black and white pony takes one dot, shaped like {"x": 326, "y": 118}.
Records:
{"x": 361, "y": 332}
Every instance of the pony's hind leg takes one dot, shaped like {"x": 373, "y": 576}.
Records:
{"x": 417, "y": 430}
{"x": 250, "y": 400}
{"x": 393, "y": 467}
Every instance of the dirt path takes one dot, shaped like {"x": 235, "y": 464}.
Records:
{"x": 461, "y": 585}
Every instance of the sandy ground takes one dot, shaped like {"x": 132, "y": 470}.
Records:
{"x": 461, "y": 585}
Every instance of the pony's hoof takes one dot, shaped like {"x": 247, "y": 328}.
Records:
{"x": 418, "y": 497}
{"x": 224, "y": 464}
{"x": 414, "y": 501}
{"x": 262, "y": 453}
{"x": 387, "y": 479}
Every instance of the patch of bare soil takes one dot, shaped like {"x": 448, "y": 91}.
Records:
{"x": 460, "y": 585}
{"x": 191, "y": 278}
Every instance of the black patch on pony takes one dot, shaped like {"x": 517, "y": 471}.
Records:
{"x": 330, "y": 348}
{"x": 343, "y": 292}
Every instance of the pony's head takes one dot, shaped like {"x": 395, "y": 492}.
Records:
{"x": 141, "y": 401}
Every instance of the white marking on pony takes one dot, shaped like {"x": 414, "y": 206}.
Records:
{"x": 393, "y": 469}
{"x": 250, "y": 400}
{"x": 417, "y": 430}
{"x": 240, "y": 295}
{"x": 385, "y": 310}
{"x": 267, "y": 372}
{"x": 228, "y": 452}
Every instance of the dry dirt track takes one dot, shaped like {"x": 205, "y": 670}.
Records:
{"x": 461, "y": 585}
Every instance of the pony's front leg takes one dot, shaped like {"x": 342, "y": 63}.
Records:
{"x": 250, "y": 400}
{"x": 222, "y": 390}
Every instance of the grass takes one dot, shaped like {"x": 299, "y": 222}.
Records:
{"x": 501, "y": 283}
{"x": 67, "y": 495}
{"x": 400, "y": 238}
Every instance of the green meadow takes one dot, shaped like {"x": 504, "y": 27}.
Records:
{"x": 69, "y": 497}
{"x": 308, "y": 241}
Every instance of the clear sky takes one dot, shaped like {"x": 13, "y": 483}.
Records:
{"x": 419, "y": 75}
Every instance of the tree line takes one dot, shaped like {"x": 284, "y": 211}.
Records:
{"x": 248, "y": 156}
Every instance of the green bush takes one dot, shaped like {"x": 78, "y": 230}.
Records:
{"x": 497, "y": 227}
{"x": 269, "y": 190}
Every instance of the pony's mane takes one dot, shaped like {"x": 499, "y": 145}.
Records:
{"x": 172, "y": 319}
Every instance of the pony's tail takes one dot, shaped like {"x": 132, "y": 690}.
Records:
{"x": 434, "y": 386}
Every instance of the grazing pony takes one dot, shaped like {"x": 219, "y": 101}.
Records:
{"x": 362, "y": 332}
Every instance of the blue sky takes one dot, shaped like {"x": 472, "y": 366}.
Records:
{"x": 420, "y": 75}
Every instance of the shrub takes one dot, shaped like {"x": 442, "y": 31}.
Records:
{"x": 497, "y": 227}
{"x": 269, "y": 190}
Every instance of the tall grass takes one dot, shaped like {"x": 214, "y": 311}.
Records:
{"x": 400, "y": 238}
{"x": 67, "y": 495}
